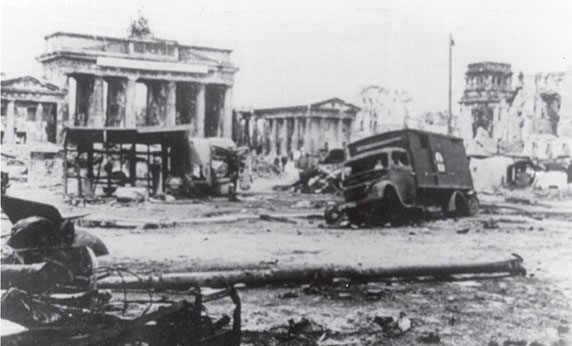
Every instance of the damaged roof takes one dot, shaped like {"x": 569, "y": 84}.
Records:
{"x": 334, "y": 104}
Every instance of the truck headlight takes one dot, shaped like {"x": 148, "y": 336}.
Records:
{"x": 346, "y": 172}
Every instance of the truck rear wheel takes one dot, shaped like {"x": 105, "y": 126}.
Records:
{"x": 466, "y": 205}
{"x": 472, "y": 205}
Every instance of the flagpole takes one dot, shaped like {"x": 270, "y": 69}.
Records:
{"x": 450, "y": 119}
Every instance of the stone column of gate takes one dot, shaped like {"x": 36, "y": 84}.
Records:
{"x": 254, "y": 140}
{"x": 319, "y": 133}
{"x": 200, "y": 110}
{"x": 62, "y": 120}
{"x": 308, "y": 147}
{"x": 96, "y": 114}
{"x": 340, "y": 135}
{"x": 171, "y": 104}
{"x": 10, "y": 122}
{"x": 130, "y": 119}
{"x": 227, "y": 113}
{"x": 39, "y": 135}
{"x": 62, "y": 114}
{"x": 295, "y": 137}
{"x": 273, "y": 124}
{"x": 284, "y": 138}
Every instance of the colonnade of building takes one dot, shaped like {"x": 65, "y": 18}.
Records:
{"x": 112, "y": 102}
{"x": 285, "y": 135}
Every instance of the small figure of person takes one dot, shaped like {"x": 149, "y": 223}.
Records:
{"x": 284, "y": 161}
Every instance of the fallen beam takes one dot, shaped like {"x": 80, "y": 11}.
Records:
{"x": 183, "y": 281}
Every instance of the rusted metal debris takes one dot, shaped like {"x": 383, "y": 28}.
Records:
{"x": 171, "y": 323}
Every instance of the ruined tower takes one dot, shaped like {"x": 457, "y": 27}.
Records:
{"x": 487, "y": 84}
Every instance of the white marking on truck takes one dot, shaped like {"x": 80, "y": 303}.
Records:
{"x": 376, "y": 145}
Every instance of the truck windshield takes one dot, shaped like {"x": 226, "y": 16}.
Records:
{"x": 399, "y": 158}
{"x": 376, "y": 162}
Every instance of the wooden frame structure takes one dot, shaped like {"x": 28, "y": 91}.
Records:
{"x": 91, "y": 148}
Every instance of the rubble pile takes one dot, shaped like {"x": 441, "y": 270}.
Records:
{"x": 264, "y": 169}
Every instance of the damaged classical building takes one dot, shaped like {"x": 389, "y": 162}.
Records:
{"x": 310, "y": 128}
{"x": 30, "y": 110}
{"x": 141, "y": 81}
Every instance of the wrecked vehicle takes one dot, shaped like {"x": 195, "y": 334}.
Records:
{"x": 390, "y": 176}
{"x": 50, "y": 292}
{"x": 44, "y": 250}
{"x": 207, "y": 167}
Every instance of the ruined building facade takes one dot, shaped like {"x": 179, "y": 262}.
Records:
{"x": 30, "y": 109}
{"x": 486, "y": 85}
{"x": 134, "y": 82}
{"x": 381, "y": 110}
{"x": 309, "y": 128}
{"x": 532, "y": 117}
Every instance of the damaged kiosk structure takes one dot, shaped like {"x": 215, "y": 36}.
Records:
{"x": 391, "y": 175}
{"x": 160, "y": 159}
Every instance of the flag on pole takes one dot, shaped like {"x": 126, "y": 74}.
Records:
{"x": 451, "y": 41}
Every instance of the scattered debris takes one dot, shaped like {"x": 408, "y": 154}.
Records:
{"x": 464, "y": 230}
{"x": 267, "y": 217}
{"x": 490, "y": 224}
{"x": 518, "y": 200}
{"x": 429, "y": 338}
{"x": 563, "y": 329}
{"x": 97, "y": 322}
{"x": 515, "y": 343}
{"x": 287, "y": 295}
{"x": 304, "y": 326}
{"x": 131, "y": 194}
{"x": 391, "y": 327}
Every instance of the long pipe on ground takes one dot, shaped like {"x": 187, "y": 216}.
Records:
{"x": 261, "y": 277}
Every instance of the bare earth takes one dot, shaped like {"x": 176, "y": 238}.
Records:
{"x": 474, "y": 312}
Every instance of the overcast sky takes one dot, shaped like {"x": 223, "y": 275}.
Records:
{"x": 301, "y": 51}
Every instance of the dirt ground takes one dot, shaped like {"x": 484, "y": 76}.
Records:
{"x": 217, "y": 234}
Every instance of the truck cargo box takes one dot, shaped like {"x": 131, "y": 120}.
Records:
{"x": 438, "y": 161}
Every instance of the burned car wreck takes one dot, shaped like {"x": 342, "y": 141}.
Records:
{"x": 50, "y": 294}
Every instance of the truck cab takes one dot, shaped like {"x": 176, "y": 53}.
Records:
{"x": 365, "y": 177}
{"x": 389, "y": 175}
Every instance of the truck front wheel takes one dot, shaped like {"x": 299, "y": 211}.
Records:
{"x": 396, "y": 212}
{"x": 333, "y": 215}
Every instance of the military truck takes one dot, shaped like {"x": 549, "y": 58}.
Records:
{"x": 391, "y": 176}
